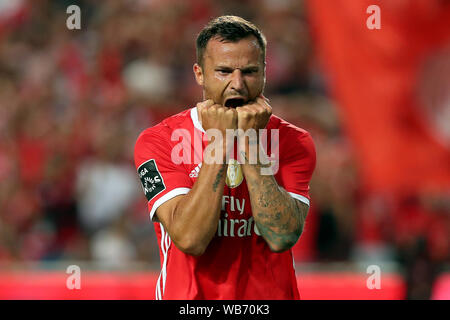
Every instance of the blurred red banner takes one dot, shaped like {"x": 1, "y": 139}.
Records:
{"x": 392, "y": 87}
{"x": 42, "y": 285}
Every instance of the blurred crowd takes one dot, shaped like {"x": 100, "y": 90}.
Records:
{"x": 72, "y": 103}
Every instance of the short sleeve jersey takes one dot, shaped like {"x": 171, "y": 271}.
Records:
{"x": 238, "y": 263}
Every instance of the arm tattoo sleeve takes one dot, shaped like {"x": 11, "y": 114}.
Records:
{"x": 279, "y": 217}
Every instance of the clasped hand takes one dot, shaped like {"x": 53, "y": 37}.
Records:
{"x": 254, "y": 115}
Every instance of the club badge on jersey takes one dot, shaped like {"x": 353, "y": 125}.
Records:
{"x": 234, "y": 174}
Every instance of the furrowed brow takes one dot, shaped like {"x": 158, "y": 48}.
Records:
{"x": 250, "y": 69}
{"x": 244, "y": 69}
{"x": 224, "y": 68}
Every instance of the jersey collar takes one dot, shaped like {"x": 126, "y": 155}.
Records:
{"x": 195, "y": 120}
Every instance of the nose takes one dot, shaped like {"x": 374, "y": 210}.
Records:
{"x": 237, "y": 81}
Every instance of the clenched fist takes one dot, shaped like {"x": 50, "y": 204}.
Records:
{"x": 216, "y": 116}
{"x": 216, "y": 120}
{"x": 254, "y": 115}
{"x": 251, "y": 118}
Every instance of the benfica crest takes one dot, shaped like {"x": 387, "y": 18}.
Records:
{"x": 234, "y": 174}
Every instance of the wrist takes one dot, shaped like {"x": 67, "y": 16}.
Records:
{"x": 216, "y": 150}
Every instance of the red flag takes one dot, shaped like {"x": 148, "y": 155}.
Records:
{"x": 392, "y": 87}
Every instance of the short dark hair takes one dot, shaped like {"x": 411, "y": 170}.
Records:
{"x": 228, "y": 28}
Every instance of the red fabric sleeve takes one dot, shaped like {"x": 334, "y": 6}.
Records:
{"x": 160, "y": 177}
{"x": 297, "y": 162}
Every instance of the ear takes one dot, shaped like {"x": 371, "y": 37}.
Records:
{"x": 198, "y": 72}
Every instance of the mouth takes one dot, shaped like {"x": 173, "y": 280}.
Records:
{"x": 234, "y": 102}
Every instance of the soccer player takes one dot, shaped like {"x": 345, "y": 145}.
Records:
{"x": 225, "y": 228}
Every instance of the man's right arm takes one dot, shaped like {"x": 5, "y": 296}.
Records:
{"x": 191, "y": 219}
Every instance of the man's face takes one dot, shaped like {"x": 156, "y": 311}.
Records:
{"x": 233, "y": 73}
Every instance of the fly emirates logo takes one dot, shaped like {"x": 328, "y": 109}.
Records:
{"x": 235, "y": 227}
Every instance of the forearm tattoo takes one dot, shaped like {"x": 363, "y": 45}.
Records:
{"x": 218, "y": 178}
{"x": 278, "y": 216}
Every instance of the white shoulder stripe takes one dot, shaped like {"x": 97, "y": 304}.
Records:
{"x": 195, "y": 120}
{"x": 169, "y": 195}
{"x": 300, "y": 197}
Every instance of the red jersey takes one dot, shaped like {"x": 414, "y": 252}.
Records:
{"x": 238, "y": 263}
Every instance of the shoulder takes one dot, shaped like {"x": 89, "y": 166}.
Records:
{"x": 157, "y": 139}
{"x": 289, "y": 133}
{"x": 164, "y": 129}
{"x": 295, "y": 144}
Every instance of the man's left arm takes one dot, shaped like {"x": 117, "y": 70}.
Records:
{"x": 279, "y": 217}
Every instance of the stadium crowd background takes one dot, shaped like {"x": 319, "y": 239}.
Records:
{"x": 72, "y": 103}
